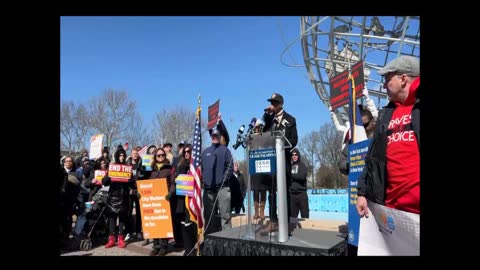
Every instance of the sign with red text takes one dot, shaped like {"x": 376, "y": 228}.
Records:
{"x": 119, "y": 172}
{"x": 99, "y": 174}
{"x": 155, "y": 209}
{"x": 213, "y": 114}
{"x": 339, "y": 85}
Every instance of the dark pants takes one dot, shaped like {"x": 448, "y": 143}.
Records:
{"x": 176, "y": 221}
{"x": 122, "y": 220}
{"x": 134, "y": 225}
{"x": 189, "y": 239}
{"x": 299, "y": 203}
{"x": 66, "y": 222}
{"x": 239, "y": 207}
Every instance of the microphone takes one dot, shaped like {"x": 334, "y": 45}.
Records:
{"x": 261, "y": 124}
{"x": 239, "y": 137}
{"x": 251, "y": 125}
{"x": 240, "y": 130}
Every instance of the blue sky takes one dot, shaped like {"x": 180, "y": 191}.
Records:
{"x": 163, "y": 62}
{"x": 167, "y": 61}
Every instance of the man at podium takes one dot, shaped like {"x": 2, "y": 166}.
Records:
{"x": 276, "y": 118}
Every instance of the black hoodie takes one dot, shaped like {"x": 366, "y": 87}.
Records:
{"x": 299, "y": 175}
{"x": 118, "y": 194}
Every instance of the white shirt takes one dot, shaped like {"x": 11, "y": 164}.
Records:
{"x": 279, "y": 117}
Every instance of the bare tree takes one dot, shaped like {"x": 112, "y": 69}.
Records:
{"x": 66, "y": 125}
{"x": 73, "y": 126}
{"x": 330, "y": 149}
{"x": 111, "y": 113}
{"x": 173, "y": 125}
{"x": 137, "y": 134}
{"x": 80, "y": 120}
{"x": 309, "y": 147}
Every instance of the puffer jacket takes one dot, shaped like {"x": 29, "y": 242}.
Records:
{"x": 118, "y": 195}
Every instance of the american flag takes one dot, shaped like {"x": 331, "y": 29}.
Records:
{"x": 195, "y": 204}
{"x": 143, "y": 151}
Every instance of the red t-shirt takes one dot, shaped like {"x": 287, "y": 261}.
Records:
{"x": 403, "y": 159}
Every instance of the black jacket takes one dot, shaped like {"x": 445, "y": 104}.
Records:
{"x": 289, "y": 124}
{"x": 69, "y": 188}
{"x": 165, "y": 171}
{"x": 88, "y": 183}
{"x": 235, "y": 192}
{"x": 299, "y": 176}
{"x": 183, "y": 167}
{"x": 372, "y": 183}
{"x": 242, "y": 183}
{"x": 118, "y": 194}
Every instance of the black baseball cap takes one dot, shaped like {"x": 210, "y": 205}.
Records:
{"x": 276, "y": 97}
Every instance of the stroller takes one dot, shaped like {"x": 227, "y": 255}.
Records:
{"x": 95, "y": 215}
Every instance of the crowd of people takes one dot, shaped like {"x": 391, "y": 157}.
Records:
{"x": 391, "y": 176}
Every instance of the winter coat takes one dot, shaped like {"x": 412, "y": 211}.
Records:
{"x": 166, "y": 171}
{"x": 217, "y": 165}
{"x": 118, "y": 194}
{"x": 183, "y": 167}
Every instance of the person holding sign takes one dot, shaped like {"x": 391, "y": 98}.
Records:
{"x": 161, "y": 168}
{"x": 392, "y": 171}
{"x": 134, "y": 227}
{"x": 224, "y": 138}
{"x": 118, "y": 200}
{"x": 217, "y": 171}
{"x": 188, "y": 228}
{"x": 94, "y": 182}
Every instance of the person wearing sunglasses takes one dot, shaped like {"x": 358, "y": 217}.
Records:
{"x": 161, "y": 168}
{"x": 298, "y": 190}
{"x": 187, "y": 227}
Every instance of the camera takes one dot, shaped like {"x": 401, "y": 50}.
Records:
{"x": 239, "y": 137}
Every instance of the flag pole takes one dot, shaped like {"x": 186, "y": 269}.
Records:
{"x": 199, "y": 230}
{"x": 352, "y": 97}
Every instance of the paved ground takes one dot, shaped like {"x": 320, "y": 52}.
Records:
{"x": 136, "y": 249}
{"x": 132, "y": 249}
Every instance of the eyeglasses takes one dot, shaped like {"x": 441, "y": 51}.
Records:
{"x": 160, "y": 155}
{"x": 188, "y": 151}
